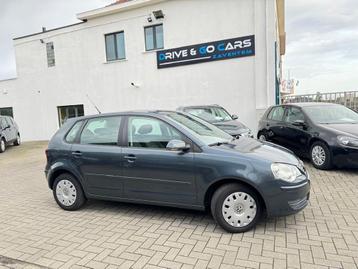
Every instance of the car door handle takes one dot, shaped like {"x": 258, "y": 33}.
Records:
{"x": 130, "y": 158}
{"x": 77, "y": 153}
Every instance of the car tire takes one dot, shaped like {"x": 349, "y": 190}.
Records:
{"x": 262, "y": 136}
{"x": 68, "y": 192}
{"x": 18, "y": 140}
{"x": 320, "y": 156}
{"x": 2, "y": 145}
{"x": 236, "y": 208}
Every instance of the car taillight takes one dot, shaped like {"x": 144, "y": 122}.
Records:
{"x": 47, "y": 154}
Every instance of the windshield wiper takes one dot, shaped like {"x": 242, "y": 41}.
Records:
{"x": 218, "y": 143}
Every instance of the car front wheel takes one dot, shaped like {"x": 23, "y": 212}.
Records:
{"x": 321, "y": 156}
{"x": 236, "y": 208}
{"x": 68, "y": 192}
{"x": 17, "y": 141}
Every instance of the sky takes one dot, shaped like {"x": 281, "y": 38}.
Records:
{"x": 322, "y": 37}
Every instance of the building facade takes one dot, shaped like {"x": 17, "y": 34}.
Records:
{"x": 149, "y": 54}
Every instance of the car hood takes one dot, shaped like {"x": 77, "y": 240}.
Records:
{"x": 232, "y": 127}
{"x": 350, "y": 129}
{"x": 256, "y": 149}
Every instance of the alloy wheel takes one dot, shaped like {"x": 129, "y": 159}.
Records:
{"x": 66, "y": 192}
{"x": 318, "y": 155}
{"x": 262, "y": 137}
{"x": 239, "y": 209}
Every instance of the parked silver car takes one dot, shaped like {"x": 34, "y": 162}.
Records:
{"x": 9, "y": 133}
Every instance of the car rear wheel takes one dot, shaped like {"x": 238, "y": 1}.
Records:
{"x": 2, "y": 145}
{"x": 17, "y": 141}
{"x": 236, "y": 208}
{"x": 68, "y": 192}
{"x": 262, "y": 137}
{"x": 320, "y": 156}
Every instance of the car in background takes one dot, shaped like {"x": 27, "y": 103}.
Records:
{"x": 174, "y": 159}
{"x": 219, "y": 117}
{"x": 9, "y": 133}
{"x": 325, "y": 133}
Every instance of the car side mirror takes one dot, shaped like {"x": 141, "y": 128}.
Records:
{"x": 177, "y": 145}
{"x": 299, "y": 123}
{"x": 234, "y": 117}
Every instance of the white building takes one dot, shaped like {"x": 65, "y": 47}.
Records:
{"x": 57, "y": 69}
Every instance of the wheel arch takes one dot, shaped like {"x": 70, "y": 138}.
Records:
{"x": 62, "y": 170}
{"x": 217, "y": 184}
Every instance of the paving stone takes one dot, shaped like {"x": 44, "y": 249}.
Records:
{"x": 36, "y": 233}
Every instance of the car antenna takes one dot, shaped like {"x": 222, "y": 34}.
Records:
{"x": 89, "y": 99}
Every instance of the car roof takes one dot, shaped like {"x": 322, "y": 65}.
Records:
{"x": 129, "y": 113}
{"x": 309, "y": 104}
{"x": 199, "y": 106}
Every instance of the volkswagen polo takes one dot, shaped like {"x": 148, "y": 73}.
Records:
{"x": 174, "y": 159}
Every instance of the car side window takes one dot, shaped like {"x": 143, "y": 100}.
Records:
{"x": 146, "y": 132}
{"x": 101, "y": 131}
{"x": 276, "y": 113}
{"x": 72, "y": 134}
{"x": 293, "y": 114}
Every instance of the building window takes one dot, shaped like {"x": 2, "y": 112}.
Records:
{"x": 115, "y": 49}
{"x": 154, "y": 37}
{"x": 50, "y": 50}
{"x": 6, "y": 111}
{"x": 66, "y": 112}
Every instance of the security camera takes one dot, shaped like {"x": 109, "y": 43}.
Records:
{"x": 149, "y": 19}
{"x": 135, "y": 85}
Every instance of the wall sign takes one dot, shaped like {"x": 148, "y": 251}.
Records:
{"x": 207, "y": 52}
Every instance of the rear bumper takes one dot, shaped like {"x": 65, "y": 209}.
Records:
{"x": 290, "y": 199}
{"x": 345, "y": 157}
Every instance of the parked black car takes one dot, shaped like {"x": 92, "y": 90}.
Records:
{"x": 219, "y": 116}
{"x": 326, "y": 133}
{"x": 174, "y": 159}
{"x": 9, "y": 133}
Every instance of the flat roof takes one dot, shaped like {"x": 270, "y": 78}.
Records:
{"x": 50, "y": 30}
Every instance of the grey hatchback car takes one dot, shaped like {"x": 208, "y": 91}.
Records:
{"x": 174, "y": 159}
{"x": 9, "y": 133}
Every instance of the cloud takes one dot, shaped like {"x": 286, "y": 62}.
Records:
{"x": 322, "y": 44}
{"x": 23, "y": 17}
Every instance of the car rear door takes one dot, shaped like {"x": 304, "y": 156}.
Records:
{"x": 98, "y": 156}
{"x": 275, "y": 126}
{"x": 151, "y": 172}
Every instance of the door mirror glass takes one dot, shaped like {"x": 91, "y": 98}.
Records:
{"x": 177, "y": 145}
{"x": 234, "y": 117}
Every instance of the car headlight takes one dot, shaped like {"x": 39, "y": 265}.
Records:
{"x": 347, "y": 141}
{"x": 286, "y": 172}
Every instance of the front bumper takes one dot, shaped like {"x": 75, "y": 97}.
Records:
{"x": 345, "y": 157}
{"x": 290, "y": 199}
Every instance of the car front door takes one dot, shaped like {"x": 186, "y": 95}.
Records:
{"x": 297, "y": 134}
{"x": 151, "y": 172}
{"x": 98, "y": 156}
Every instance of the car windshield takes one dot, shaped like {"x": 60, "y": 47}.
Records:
{"x": 331, "y": 114}
{"x": 210, "y": 114}
{"x": 206, "y": 132}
